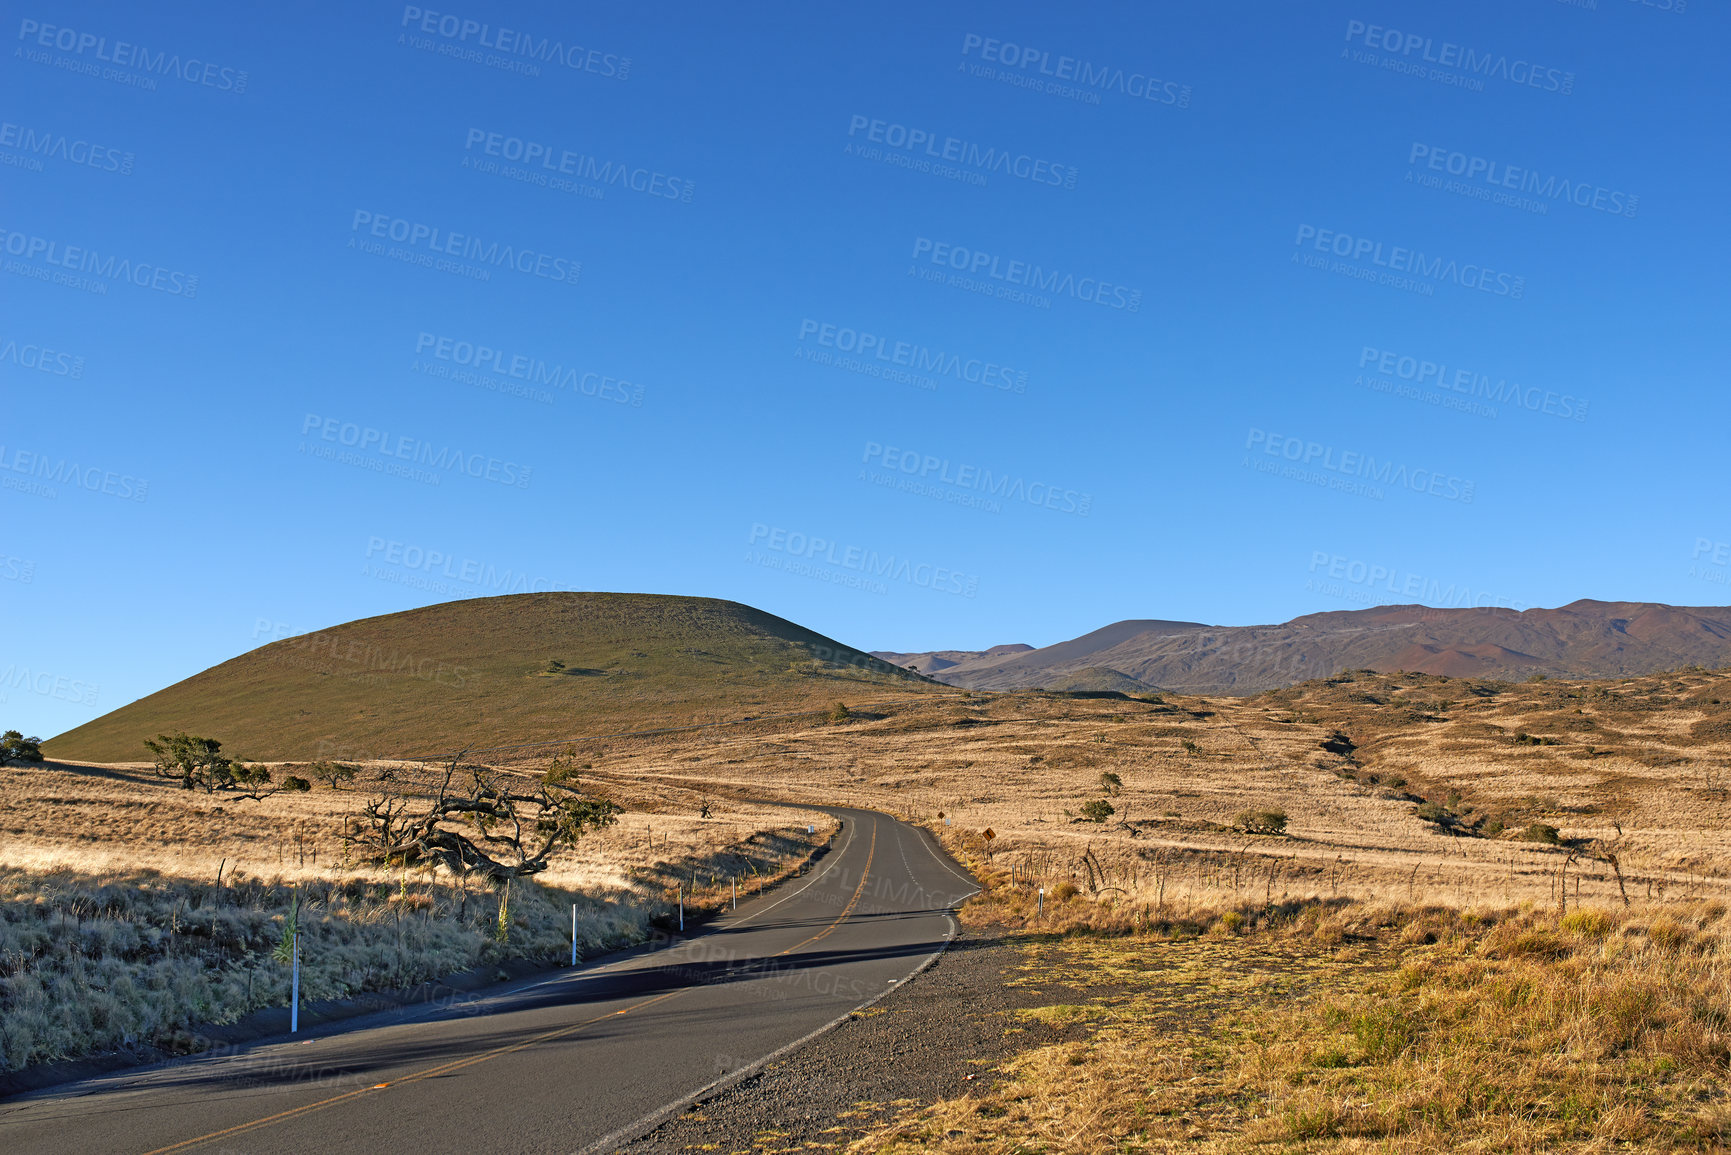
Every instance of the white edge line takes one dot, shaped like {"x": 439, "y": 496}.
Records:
{"x": 655, "y": 1118}
{"x": 581, "y": 971}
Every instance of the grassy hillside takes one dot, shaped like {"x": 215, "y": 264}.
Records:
{"x": 1097, "y": 678}
{"x": 492, "y": 671}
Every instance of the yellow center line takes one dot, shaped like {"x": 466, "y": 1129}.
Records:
{"x": 547, "y": 1037}
{"x": 864, "y": 873}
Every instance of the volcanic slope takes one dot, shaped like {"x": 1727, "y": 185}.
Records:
{"x": 494, "y": 671}
{"x": 1585, "y": 638}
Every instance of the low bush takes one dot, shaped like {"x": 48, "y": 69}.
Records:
{"x": 1261, "y": 821}
{"x": 1097, "y": 810}
{"x": 1542, "y": 832}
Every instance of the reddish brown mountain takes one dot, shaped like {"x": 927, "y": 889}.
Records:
{"x": 1585, "y": 638}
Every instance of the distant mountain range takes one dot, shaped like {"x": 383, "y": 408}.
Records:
{"x": 1584, "y": 638}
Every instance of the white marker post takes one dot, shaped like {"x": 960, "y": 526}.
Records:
{"x": 573, "y": 934}
{"x": 736, "y": 894}
{"x": 1041, "y": 908}
{"x": 295, "y": 986}
{"x": 682, "y": 910}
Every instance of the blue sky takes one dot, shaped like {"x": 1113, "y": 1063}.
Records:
{"x": 924, "y": 329}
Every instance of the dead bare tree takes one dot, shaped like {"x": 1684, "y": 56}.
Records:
{"x": 1096, "y": 872}
{"x": 480, "y": 822}
{"x": 1608, "y": 853}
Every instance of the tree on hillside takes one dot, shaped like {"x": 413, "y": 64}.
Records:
{"x": 200, "y": 763}
{"x": 15, "y": 748}
{"x": 481, "y": 821}
{"x": 334, "y": 774}
{"x": 195, "y": 761}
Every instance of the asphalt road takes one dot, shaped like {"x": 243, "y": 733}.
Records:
{"x": 573, "y": 1063}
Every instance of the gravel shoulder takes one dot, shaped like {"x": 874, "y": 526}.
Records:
{"x": 939, "y": 1036}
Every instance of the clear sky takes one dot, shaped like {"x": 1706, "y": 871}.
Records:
{"x": 922, "y": 328}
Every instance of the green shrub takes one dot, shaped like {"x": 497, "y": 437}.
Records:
{"x": 1261, "y": 821}
{"x": 1098, "y": 810}
{"x": 1542, "y": 832}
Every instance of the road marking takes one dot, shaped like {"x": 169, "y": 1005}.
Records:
{"x": 547, "y": 1037}
{"x": 430, "y": 1072}
{"x": 721, "y": 925}
{"x": 865, "y": 873}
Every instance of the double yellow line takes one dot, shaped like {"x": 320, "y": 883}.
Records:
{"x": 536, "y": 1040}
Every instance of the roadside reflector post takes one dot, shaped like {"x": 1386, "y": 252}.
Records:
{"x": 736, "y": 894}
{"x": 1040, "y": 908}
{"x": 295, "y": 987}
{"x": 573, "y": 934}
{"x": 682, "y": 909}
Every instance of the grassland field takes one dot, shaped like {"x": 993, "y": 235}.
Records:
{"x": 1520, "y": 888}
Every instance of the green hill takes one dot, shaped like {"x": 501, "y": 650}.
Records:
{"x": 495, "y": 671}
{"x": 1097, "y": 678}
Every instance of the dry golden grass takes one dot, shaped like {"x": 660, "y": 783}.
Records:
{"x": 1631, "y": 772}
{"x": 131, "y": 910}
{"x": 1350, "y": 1026}
{"x": 1654, "y": 790}
{"x": 117, "y": 818}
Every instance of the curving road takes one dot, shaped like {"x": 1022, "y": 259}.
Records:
{"x": 574, "y": 1063}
